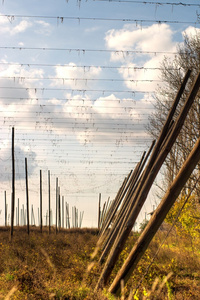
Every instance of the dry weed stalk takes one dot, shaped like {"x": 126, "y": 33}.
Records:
{"x": 11, "y": 292}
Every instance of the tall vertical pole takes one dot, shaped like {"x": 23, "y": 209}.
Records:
{"x": 49, "y": 202}
{"x": 99, "y": 211}
{"x": 23, "y": 215}
{"x": 62, "y": 211}
{"x": 38, "y": 216}
{"x": 27, "y": 196}
{"x": 5, "y": 210}
{"x": 56, "y": 204}
{"x": 18, "y": 212}
{"x": 41, "y": 201}
{"x": 13, "y": 182}
{"x": 59, "y": 206}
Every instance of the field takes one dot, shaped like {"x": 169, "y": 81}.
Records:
{"x": 43, "y": 266}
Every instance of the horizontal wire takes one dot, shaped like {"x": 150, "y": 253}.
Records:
{"x": 152, "y": 3}
{"x": 86, "y": 122}
{"x": 20, "y": 127}
{"x": 21, "y": 78}
{"x": 62, "y": 18}
{"x": 86, "y": 66}
{"x": 39, "y": 113}
{"x": 106, "y": 143}
{"x": 77, "y": 90}
{"x": 89, "y": 50}
{"x": 135, "y": 102}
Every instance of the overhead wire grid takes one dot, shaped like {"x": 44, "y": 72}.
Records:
{"x": 79, "y": 109}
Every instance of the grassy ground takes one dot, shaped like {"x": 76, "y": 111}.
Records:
{"x": 43, "y": 266}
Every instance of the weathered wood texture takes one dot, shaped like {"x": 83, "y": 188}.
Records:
{"x": 156, "y": 160}
{"x": 157, "y": 218}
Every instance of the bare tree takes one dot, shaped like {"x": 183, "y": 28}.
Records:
{"x": 172, "y": 73}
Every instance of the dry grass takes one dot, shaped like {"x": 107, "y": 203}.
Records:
{"x": 43, "y": 266}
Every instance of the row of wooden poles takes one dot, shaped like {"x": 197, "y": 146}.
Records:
{"x": 120, "y": 218}
{"x": 21, "y": 218}
{"x": 76, "y": 220}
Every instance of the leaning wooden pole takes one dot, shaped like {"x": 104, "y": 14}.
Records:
{"x": 115, "y": 205}
{"x": 27, "y": 195}
{"x": 149, "y": 176}
{"x": 13, "y": 183}
{"x": 126, "y": 206}
{"x": 157, "y": 219}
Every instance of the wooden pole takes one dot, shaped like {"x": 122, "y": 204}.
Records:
{"x": 13, "y": 183}
{"x": 106, "y": 211}
{"x": 38, "y": 216}
{"x": 56, "y": 205}
{"x": 99, "y": 211}
{"x": 102, "y": 214}
{"x": 49, "y": 184}
{"x": 63, "y": 199}
{"x": 154, "y": 165}
{"x": 27, "y": 195}
{"x": 67, "y": 212}
{"x": 41, "y": 201}
{"x": 127, "y": 204}
{"x": 23, "y": 215}
{"x": 18, "y": 213}
{"x": 157, "y": 218}
{"x": 5, "y": 210}
{"x": 59, "y": 206}
{"x": 114, "y": 207}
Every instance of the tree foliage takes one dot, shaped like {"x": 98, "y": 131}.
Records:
{"x": 188, "y": 221}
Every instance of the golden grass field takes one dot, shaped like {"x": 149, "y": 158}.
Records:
{"x": 43, "y": 266}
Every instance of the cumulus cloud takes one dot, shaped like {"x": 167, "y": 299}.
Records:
{"x": 7, "y": 26}
{"x": 153, "y": 38}
{"x": 191, "y": 31}
{"x": 150, "y": 44}
{"x": 42, "y": 28}
{"x": 12, "y": 78}
{"x": 21, "y": 27}
{"x": 20, "y": 154}
{"x": 76, "y": 77}
{"x": 105, "y": 118}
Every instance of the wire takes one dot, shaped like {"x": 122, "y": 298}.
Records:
{"x": 21, "y": 78}
{"x": 152, "y": 3}
{"x": 86, "y": 66}
{"x": 61, "y": 19}
{"x": 90, "y": 50}
{"x": 76, "y": 99}
{"x": 73, "y": 90}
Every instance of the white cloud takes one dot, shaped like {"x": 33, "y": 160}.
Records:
{"x": 42, "y": 28}
{"x": 20, "y": 154}
{"x": 155, "y": 38}
{"x": 7, "y": 26}
{"x": 191, "y": 31}
{"x": 21, "y": 27}
{"x": 107, "y": 117}
{"x": 150, "y": 44}
{"x": 92, "y": 29}
{"x": 71, "y": 74}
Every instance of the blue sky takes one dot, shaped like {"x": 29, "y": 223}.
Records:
{"x": 77, "y": 82}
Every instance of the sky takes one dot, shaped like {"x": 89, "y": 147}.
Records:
{"x": 77, "y": 82}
